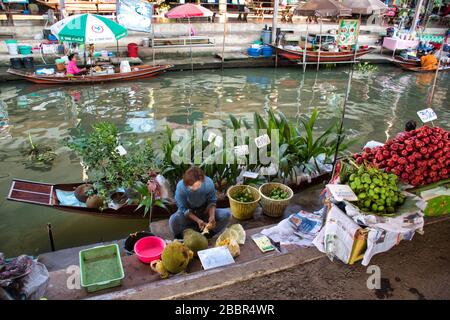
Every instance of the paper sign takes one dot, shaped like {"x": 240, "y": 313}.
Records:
{"x": 121, "y": 150}
{"x": 218, "y": 140}
{"x": 251, "y": 175}
{"x": 342, "y": 192}
{"x": 241, "y": 150}
{"x": 262, "y": 141}
{"x": 215, "y": 257}
{"x": 211, "y": 136}
{"x": 427, "y": 115}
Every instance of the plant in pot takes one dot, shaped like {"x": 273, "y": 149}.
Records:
{"x": 96, "y": 199}
{"x": 150, "y": 195}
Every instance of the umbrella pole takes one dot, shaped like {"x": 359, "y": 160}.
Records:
{"x": 430, "y": 100}
{"x": 320, "y": 44}
{"x": 304, "y": 49}
{"x": 190, "y": 44}
{"x": 224, "y": 36}
{"x": 117, "y": 47}
{"x": 357, "y": 39}
{"x": 153, "y": 42}
{"x": 341, "y": 123}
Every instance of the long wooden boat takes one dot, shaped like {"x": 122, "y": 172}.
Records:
{"x": 137, "y": 72}
{"x": 325, "y": 56}
{"x": 420, "y": 69}
{"x": 44, "y": 194}
{"x": 400, "y": 61}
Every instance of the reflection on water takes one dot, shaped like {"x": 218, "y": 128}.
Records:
{"x": 378, "y": 107}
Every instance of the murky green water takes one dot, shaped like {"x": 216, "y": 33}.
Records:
{"x": 379, "y": 106}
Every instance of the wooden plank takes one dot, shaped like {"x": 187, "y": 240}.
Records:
{"x": 33, "y": 187}
{"x": 24, "y": 196}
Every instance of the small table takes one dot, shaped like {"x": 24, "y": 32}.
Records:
{"x": 398, "y": 44}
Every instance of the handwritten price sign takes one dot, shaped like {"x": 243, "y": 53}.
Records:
{"x": 427, "y": 115}
{"x": 342, "y": 192}
{"x": 262, "y": 141}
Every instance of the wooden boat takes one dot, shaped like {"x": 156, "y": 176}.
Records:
{"x": 44, "y": 194}
{"x": 400, "y": 61}
{"x": 419, "y": 69}
{"x": 138, "y": 72}
{"x": 325, "y": 56}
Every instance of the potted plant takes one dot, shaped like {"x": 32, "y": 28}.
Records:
{"x": 150, "y": 195}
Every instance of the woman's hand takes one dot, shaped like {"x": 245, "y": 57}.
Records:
{"x": 212, "y": 222}
{"x": 201, "y": 224}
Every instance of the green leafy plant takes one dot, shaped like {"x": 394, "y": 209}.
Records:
{"x": 40, "y": 153}
{"x": 149, "y": 196}
{"x": 366, "y": 67}
{"x": 106, "y": 168}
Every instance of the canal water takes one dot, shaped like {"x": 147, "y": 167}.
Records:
{"x": 379, "y": 105}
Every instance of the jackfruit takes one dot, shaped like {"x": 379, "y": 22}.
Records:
{"x": 195, "y": 240}
{"x": 176, "y": 257}
{"x": 158, "y": 266}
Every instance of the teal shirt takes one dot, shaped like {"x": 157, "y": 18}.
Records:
{"x": 187, "y": 200}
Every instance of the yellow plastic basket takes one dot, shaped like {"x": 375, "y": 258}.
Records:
{"x": 273, "y": 207}
{"x": 243, "y": 210}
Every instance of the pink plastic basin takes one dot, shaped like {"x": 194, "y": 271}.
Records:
{"x": 149, "y": 248}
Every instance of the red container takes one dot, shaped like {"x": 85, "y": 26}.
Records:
{"x": 132, "y": 50}
{"x": 149, "y": 248}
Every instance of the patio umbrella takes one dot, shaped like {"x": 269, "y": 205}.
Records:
{"x": 88, "y": 28}
{"x": 366, "y": 7}
{"x": 188, "y": 11}
{"x": 323, "y": 8}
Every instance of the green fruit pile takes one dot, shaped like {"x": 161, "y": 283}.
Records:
{"x": 279, "y": 194}
{"x": 244, "y": 195}
{"x": 377, "y": 191}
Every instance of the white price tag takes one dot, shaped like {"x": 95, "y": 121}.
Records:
{"x": 262, "y": 141}
{"x": 342, "y": 192}
{"x": 218, "y": 141}
{"x": 121, "y": 150}
{"x": 241, "y": 150}
{"x": 211, "y": 136}
{"x": 251, "y": 175}
{"x": 427, "y": 115}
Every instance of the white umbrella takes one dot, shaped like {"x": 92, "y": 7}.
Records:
{"x": 366, "y": 7}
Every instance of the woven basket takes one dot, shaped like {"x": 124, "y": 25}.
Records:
{"x": 243, "y": 210}
{"x": 272, "y": 207}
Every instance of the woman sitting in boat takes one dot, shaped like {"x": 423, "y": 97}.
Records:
{"x": 71, "y": 68}
{"x": 429, "y": 61}
{"x": 196, "y": 200}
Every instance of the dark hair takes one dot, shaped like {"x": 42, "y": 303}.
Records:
{"x": 410, "y": 125}
{"x": 192, "y": 175}
{"x": 70, "y": 56}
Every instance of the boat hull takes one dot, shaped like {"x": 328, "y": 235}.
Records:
{"x": 418, "y": 68}
{"x": 44, "y": 194}
{"x": 324, "y": 56}
{"x": 139, "y": 72}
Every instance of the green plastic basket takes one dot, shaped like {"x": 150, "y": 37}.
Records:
{"x": 10, "y": 41}
{"x": 24, "y": 49}
{"x": 101, "y": 268}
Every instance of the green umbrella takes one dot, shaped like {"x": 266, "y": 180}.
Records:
{"x": 88, "y": 28}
